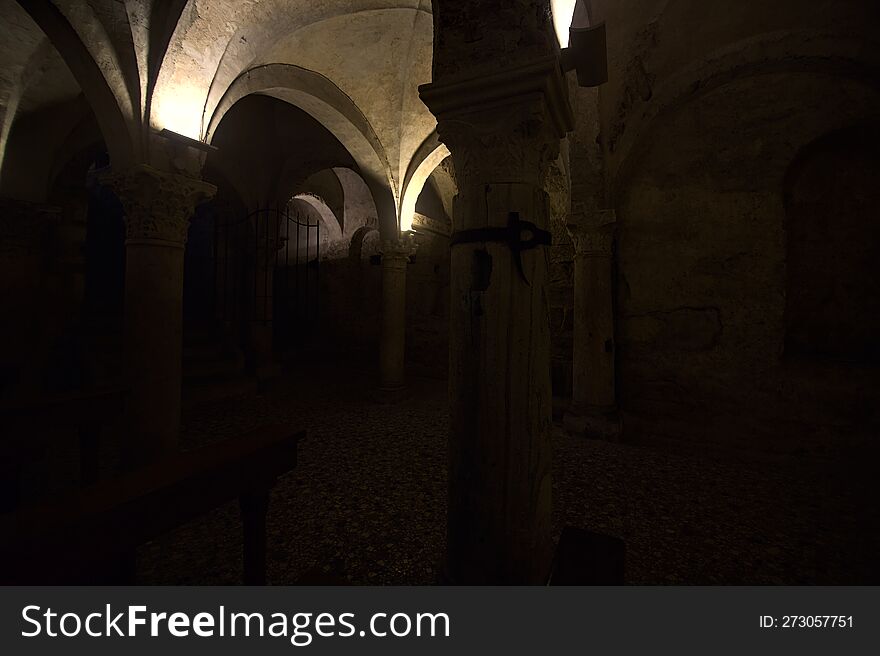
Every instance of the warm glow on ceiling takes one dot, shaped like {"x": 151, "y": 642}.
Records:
{"x": 416, "y": 184}
{"x": 563, "y": 10}
{"x": 179, "y": 110}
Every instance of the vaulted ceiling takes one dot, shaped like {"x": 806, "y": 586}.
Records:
{"x": 144, "y": 65}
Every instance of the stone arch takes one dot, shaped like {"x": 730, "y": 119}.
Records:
{"x": 36, "y": 60}
{"x": 426, "y": 159}
{"x": 109, "y": 100}
{"x": 359, "y": 206}
{"x": 325, "y": 185}
{"x": 764, "y": 54}
{"x": 324, "y": 101}
{"x": 358, "y": 239}
{"x": 831, "y": 191}
{"x": 83, "y": 141}
{"x": 63, "y": 130}
{"x": 333, "y": 230}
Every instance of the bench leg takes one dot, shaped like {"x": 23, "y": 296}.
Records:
{"x": 253, "y": 520}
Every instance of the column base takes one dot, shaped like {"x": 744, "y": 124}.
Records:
{"x": 599, "y": 424}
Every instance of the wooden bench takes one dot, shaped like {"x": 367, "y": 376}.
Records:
{"x": 30, "y": 424}
{"x": 82, "y": 538}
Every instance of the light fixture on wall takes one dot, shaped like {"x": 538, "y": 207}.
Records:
{"x": 583, "y": 44}
{"x": 179, "y": 106}
{"x": 180, "y": 153}
{"x": 184, "y": 140}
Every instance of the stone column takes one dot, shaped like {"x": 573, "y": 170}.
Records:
{"x": 593, "y": 410}
{"x": 158, "y": 207}
{"x": 392, "y": 347}
{"x": 504, "y": 131}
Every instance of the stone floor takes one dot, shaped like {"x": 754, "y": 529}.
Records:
{"x": 366, "y": 505}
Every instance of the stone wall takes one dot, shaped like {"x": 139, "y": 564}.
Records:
{"x": 707, "y": 107}
{"x": 351, "y": 292}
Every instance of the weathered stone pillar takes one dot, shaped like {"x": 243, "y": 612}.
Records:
{"x": 392, "y": 347}
{"x": 593, "y": 410}
{"x": 504, "y": 131}
{"x": 158, "y": 207}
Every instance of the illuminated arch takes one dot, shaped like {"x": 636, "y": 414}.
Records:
{"x": 326, "y": 103}
{"x": 94, "y": 64}
{"x": 426, "y": 159}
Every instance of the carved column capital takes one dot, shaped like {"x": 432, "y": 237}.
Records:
{"x": 518, "y": 146}
{"x": 158, "y": 205}
{"x": 593, "y": 236}
{"x": 504, "y": 127}
{"x": 593, "y": 241}
{"x": 396, "y": 252}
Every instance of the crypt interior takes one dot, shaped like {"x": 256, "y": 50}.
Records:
{"x": 439, "y": 292}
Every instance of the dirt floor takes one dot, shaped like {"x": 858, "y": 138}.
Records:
{"x": 367, "y": 502}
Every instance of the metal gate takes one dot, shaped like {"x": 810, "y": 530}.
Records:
{"x": 297, "y": 277}
{"x": 267, "y": 271}
{"x": 262, "y": 268}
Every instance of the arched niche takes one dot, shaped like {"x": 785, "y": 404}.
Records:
{"x": 832, "y": 230}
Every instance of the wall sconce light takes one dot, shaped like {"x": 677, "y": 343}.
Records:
{"x": 187, "y": 141}
{"x": 586, "y": 52}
